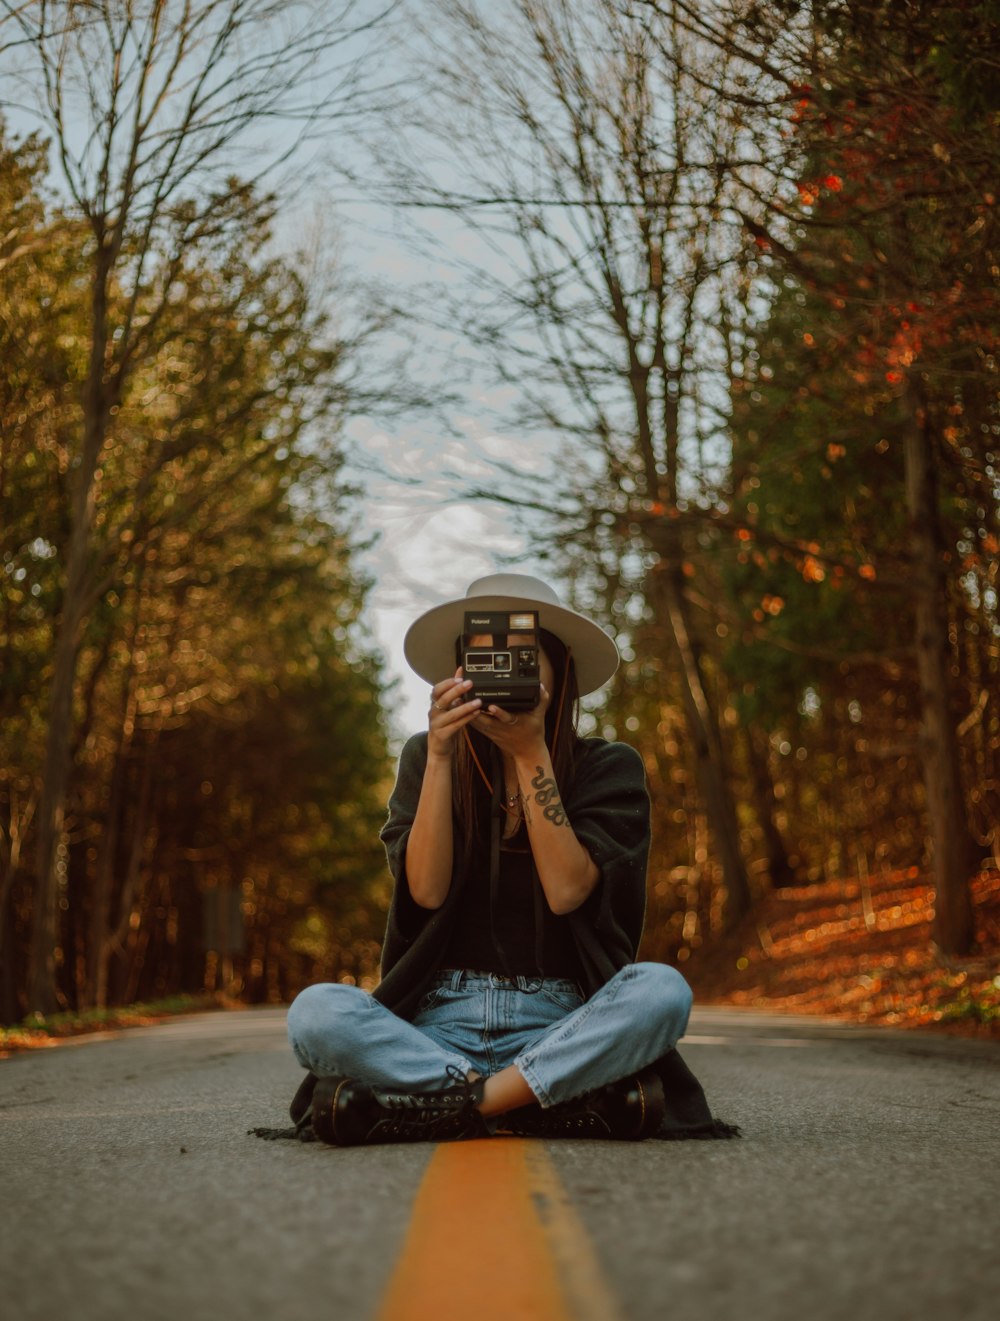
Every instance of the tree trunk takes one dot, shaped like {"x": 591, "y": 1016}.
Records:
{"x": 19, "y": 816}
{"x": 42, "y": 993}
{"x": 779, "y": 866}
{"x": 99, "y": 939}
{"x": 114, "y": 939}
{"x": 42, "y": 997}
{"x": 953, "y": 846}
{"x": 710, "y": 765}
{"x": 100, "y": 905}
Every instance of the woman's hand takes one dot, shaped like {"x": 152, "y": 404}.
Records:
{"x": 430, "y": 848}
{"x": 449, "y": 713}
{"x": 518, "y": 734}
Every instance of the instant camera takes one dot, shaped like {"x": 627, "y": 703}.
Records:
{"x": 502, "y": 674}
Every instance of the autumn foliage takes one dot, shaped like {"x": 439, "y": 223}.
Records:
{"x": 753, "y": 285}
{"x": 846, "y": 573}
{"x": 859, "y": 949}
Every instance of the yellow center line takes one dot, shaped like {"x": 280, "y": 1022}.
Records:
{"x": 493, "y": 1236}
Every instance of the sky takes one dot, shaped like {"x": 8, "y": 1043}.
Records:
{"x": 430, "y": 539}
{"x": 431, "y": 543}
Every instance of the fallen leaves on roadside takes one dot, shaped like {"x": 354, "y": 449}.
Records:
{"x": 862, "y": 952}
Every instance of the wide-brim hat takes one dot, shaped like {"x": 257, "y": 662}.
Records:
{"x": 429, "y": 645}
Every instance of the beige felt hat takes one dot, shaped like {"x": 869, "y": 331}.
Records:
{"x": 429, "y": 645}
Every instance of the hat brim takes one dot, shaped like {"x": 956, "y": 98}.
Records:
{"x": 429, "y": 644}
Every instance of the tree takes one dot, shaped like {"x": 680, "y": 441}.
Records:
{"x": 814, "y": 593}
{"x": 268, "y": 760}
{"x": 41, "y": 287}
{"x": 235, "y": 397}
{"x": 592, "y": 155}
{"x": 894, "y": 224}
{"x": 228, "y": 737}
{"x": 149, "y": 107}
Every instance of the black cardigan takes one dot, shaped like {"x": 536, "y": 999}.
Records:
{"x": 608, "y": 808}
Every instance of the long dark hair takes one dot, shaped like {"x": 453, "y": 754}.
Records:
{"x": 469, "y": 795}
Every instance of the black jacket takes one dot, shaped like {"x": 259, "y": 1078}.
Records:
{"x": 608, "y": 808}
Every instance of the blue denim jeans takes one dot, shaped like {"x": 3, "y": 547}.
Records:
{"x": 562, "y": 1045}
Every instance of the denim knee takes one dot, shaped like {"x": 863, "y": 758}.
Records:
{"x": 314, "y": 1013}
{"x": 667, "y": 998}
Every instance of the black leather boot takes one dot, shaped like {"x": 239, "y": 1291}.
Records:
{"x": 348, "y": 1113}
{"x": 628, "y": 1110}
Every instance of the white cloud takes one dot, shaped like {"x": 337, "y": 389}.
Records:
{"x": 427, "y": 555}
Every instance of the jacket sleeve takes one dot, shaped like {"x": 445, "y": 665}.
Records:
{"x": 610, "y": 815}
{"x": 406, "y": 918}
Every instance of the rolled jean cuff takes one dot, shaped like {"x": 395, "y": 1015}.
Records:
{"x": 535, "y": 1083}
{"x": 633, "y": 1019}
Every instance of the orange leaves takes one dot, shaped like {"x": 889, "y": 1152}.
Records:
{"x": 906, "y": 346}
{"x": 811, "y": 190}
{"x": 772, "y": 605}
{"x": 804, "y": 92}
{"x": 811, "y": 569}
{"x": 985, "y": 556}
{"x": 835, "y": 452}
{"x": 744, "y": 536}
{"x": 824, "y": 957}
{"x": 905, "y": 349}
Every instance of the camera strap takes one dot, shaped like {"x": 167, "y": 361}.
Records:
{"x": 498, "y": 811}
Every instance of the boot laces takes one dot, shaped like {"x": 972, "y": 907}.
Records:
{"x": 429, "y": 1114}
{"x": 568, "y": 1123}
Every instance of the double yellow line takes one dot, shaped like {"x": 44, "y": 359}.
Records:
{"x": 493, "y": 1235}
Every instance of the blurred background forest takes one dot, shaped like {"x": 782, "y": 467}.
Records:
{"x": 735, "y": 268}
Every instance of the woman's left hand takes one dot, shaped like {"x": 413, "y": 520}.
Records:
{"x": 516, "y": 733}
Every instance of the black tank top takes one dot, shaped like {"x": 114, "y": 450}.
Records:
{"x": 507, "y": 941}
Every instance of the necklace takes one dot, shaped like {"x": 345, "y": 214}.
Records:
{"x": 511, "y": 804}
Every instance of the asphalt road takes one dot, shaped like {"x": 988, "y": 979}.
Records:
{"x": 866, "y": 1185}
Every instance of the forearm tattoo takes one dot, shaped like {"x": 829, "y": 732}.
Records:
{"x": 547, "y": 798}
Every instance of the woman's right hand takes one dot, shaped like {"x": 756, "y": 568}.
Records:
{"x": 449, "y": 713}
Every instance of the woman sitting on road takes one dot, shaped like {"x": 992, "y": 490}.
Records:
{"x": 510, "y": 1000}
